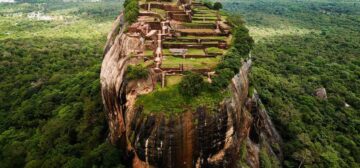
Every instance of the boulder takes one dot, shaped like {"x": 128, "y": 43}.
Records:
{"x": 321, "y": 93}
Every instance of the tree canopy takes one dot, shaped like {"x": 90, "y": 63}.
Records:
{"x": 192, "y": 84}
{"x": 217, "y": 6}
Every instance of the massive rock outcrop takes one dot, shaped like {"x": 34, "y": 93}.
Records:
{"x": 239, "y": 133}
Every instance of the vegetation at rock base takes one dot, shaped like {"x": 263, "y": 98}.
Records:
{"x": 51, "y": 111}
{"x": 301, "y": 46}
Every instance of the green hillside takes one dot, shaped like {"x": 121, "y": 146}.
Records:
{"x": 51, "y": 111}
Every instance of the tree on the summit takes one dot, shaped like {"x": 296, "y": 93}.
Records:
{"x": 192, "y": 84}
{"x": 243, "y": 42}
{"x": 217, "y": 6}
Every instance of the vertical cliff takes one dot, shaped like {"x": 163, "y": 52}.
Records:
{"x": 114, "y": 65}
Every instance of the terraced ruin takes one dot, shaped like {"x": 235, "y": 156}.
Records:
{"x": 147, "y": 60}
{"x": 178, "y": 37}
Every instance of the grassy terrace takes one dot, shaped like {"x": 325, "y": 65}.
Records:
{"x": 173, "y": 80}
{"x": 204, "y": 11}
{"x": 204, "y": 21}
{"x": 180, "y": 42}
{"x": 199, "y": 25}
{"x": 148, "y": 53}
{"x": 197, "y": 30}
{"x": 214, "y": 50}
{"x": 191, "y": 51}
{"x": 185, "y": 43}
{"x": 147, "y": 63}
{"x": 223, "y": 17}
{"x": 202, "y": 8}
{"x": 190, "y": 63}
{"x": 210, "y": 42}
{"x": 170, "y": 102}
{"x": 161, "y": 12}
{"x": 194, "y": 51}
{"x": 172, "y": 2}
{"x": 205, "y": 14}
{"x": 166, "y": 52}
{"x": 204, "y": 18}
{"x": 203, "y": 37}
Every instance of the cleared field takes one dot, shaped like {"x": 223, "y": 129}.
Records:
{"x": 203, "y": 11}
{"x": 210, "y": 42}
{"x": 197, "y": 30}
{"x": 205, "y": 15}
{"x": 180, "y": 42}
{"x": 203, "y": 37}
{"x": 190, "y": 63}
{"x": 199, "y": 25}
{"x": 171, "y": 2}
{"x": 201, "y": 17}
{"x": 202, "y": 8}
{"x": 193, "y": 51}
{"x": 148, "y": 53}
{"x": 173, "y": 80}
{"x": 204, "y": 21}
{"x": 166, "y": 52}
{"x": 214, "y": 50}
{"x": 261, "y": 32}
{"x": 190, "y": 51}
{"x": 161, "y": 12}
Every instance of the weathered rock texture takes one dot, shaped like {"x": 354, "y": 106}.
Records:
{"x": 234, "y": 136}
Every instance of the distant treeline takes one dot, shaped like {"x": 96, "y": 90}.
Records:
{"x": 46, "y": 1}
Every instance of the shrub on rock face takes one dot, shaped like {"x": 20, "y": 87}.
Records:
{"x": 217, "y": 6}
{"x": 126, "y": 2}
{"x": 192, "y": 84}
{"x": 243, "y": 42}
{"x": 136, "y": 72}
{"x": 222, "y": 79}
{"x": 131, "y": 10}
{"x": 131, "y": 16}
{"x": 232, "y": 60}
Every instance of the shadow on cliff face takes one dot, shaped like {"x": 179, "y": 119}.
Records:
{"x": 176, "y": 141}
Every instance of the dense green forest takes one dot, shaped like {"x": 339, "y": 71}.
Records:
{"x": 301, "y": 46}
{"x": 51, "y": 111}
